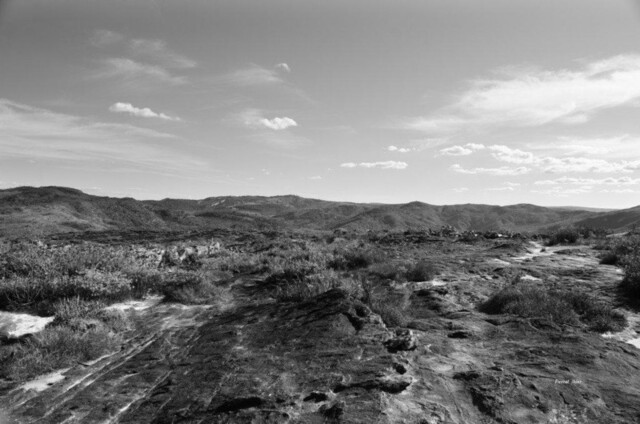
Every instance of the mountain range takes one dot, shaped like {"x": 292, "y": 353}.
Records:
{"x": 34, "y": 211}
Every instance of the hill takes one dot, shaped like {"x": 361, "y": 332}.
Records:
{"x": 30, "y": 211}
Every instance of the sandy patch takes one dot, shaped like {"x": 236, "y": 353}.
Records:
{"x": 16, "y": 325}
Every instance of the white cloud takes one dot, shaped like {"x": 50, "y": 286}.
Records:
{"x": 278, "y": 123}
{"x": 532, "y": 97}
{"x": 507, "y": 154}
{"x": 467, "y": 149}
{"x": 564, "y": 192}
{"x": 501, "y": 171}
{"x": 34, "y": 133}
{"x": 621, "y": 181}
{"x": 284, "y": 67}
{"x": 137, "y": 75}
{"x": 158, "y": 50}
{"x": 461, "y": 189}
{"x": 390, "y": 164}
{"x": 140, "y": 112}
{"x": 104, "y": 37}
{"x": 561, "y": 164}
{"x": 456, "y": 151}
{"x": 398, "y": 149}
{"x": 254, "y": 118}
{"x": 315, "y": 177}
{"x": 253, "y": 75}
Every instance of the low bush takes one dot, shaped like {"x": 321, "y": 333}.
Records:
{"x": 55, "y": 348}
{"x": 561, "y": 308}
{"x": 308, "y": 286}
{"x": 609, "y": 258}
{"x": 564, "y": 236}
{"x": 391, "y": 308}
{"x": 631, "y": 266}
{"x": 351, "y": 259}
{"x": 192, "y": 288}
{"x": 421, "y": 271}
{"x": 388, "y": 271}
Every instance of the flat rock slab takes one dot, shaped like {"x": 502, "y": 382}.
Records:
{"x": 320, "y": 360}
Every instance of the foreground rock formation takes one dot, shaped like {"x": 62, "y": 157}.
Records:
{"x": 329, "y": 359}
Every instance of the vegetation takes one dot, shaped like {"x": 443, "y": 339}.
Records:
{"x": 557, "y": 307}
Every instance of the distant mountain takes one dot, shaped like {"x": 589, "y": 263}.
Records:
{"x": 29, "y": 211}
{"x": 619, "y": 220}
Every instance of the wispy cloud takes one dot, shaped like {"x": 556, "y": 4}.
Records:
{"x": 507, "y": 186}
{"x": 467, "y": 149}
{"x": 34, "y": 133}
{"x": 621, "y": 181}
{"x": 562, "y": 164}
{"x": 501, "y": 171}
{"x": 390, "y": 164}
{"x": 284, "y": 67}
{"x": 158, "y": 51}
{"x": 278, "y": 123}
{"x": 144, "y": 112}
{"x": 254, "y": 118}
{"x": 532, "y": 97}
{"x": 399, "y": 149}
{"x": 549, "y": 164}
{"x": 135, "y": 74}
{"x": 253, "y": 75}
{"x": 103, "y": 37}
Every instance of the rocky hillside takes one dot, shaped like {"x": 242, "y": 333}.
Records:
{"x": 47, "y": 210}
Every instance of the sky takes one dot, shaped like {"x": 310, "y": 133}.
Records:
{"x": 440, "y": 101}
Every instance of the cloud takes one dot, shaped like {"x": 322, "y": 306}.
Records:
{"x": 278, "y": 123}
{"x": 254, "y": 118}
{"x": 507, "y": 186}
{"x": 253, "y": 75}
{"x": 398, "y": 149}
{"x": 390, "y": 164}
{"x": 553, "y": 164}
{"x": 158, "y": 50}
{"x": 621, "y": 181}
{"x": 284, "y": 67}
{"x": 615, "y": 147}
{"x": 34, "y": 133}
{"x": 502, "y": 171}
{"x": 315, "y": 177}
{"x": 104, "y": 37}
{"x": 137, "y": 75}
{"x": 465, "y": 150}
{"x": 461, "y": 189}
{"x": 564, "y": 192}
{"x": 533, "y": 97}
{"x": 140, "y": 112}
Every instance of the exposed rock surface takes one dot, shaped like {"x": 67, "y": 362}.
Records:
{"x": 331, "y": 360}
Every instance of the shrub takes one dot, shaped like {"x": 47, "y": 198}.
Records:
{"x": 351, "y": 259}
{"x": 562, "y": 308}
{"x": 609, "y": 258}
{"x": 54, "y": 348}
{"x": 308, "y": 286}
{"x": 421, "y": 271}
{"x": 193, "y": 288}
{"x": 631, "y": 265}
{"x": 564, "y": 236}
{"x": 388, "y": 271}
{"x": 389, "y": 307}
{"x": 100, "y": 285}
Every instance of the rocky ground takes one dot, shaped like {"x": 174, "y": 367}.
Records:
{"x": 329, "y": 359}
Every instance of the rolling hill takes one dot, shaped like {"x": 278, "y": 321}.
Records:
{"x": 30, "y": 211}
